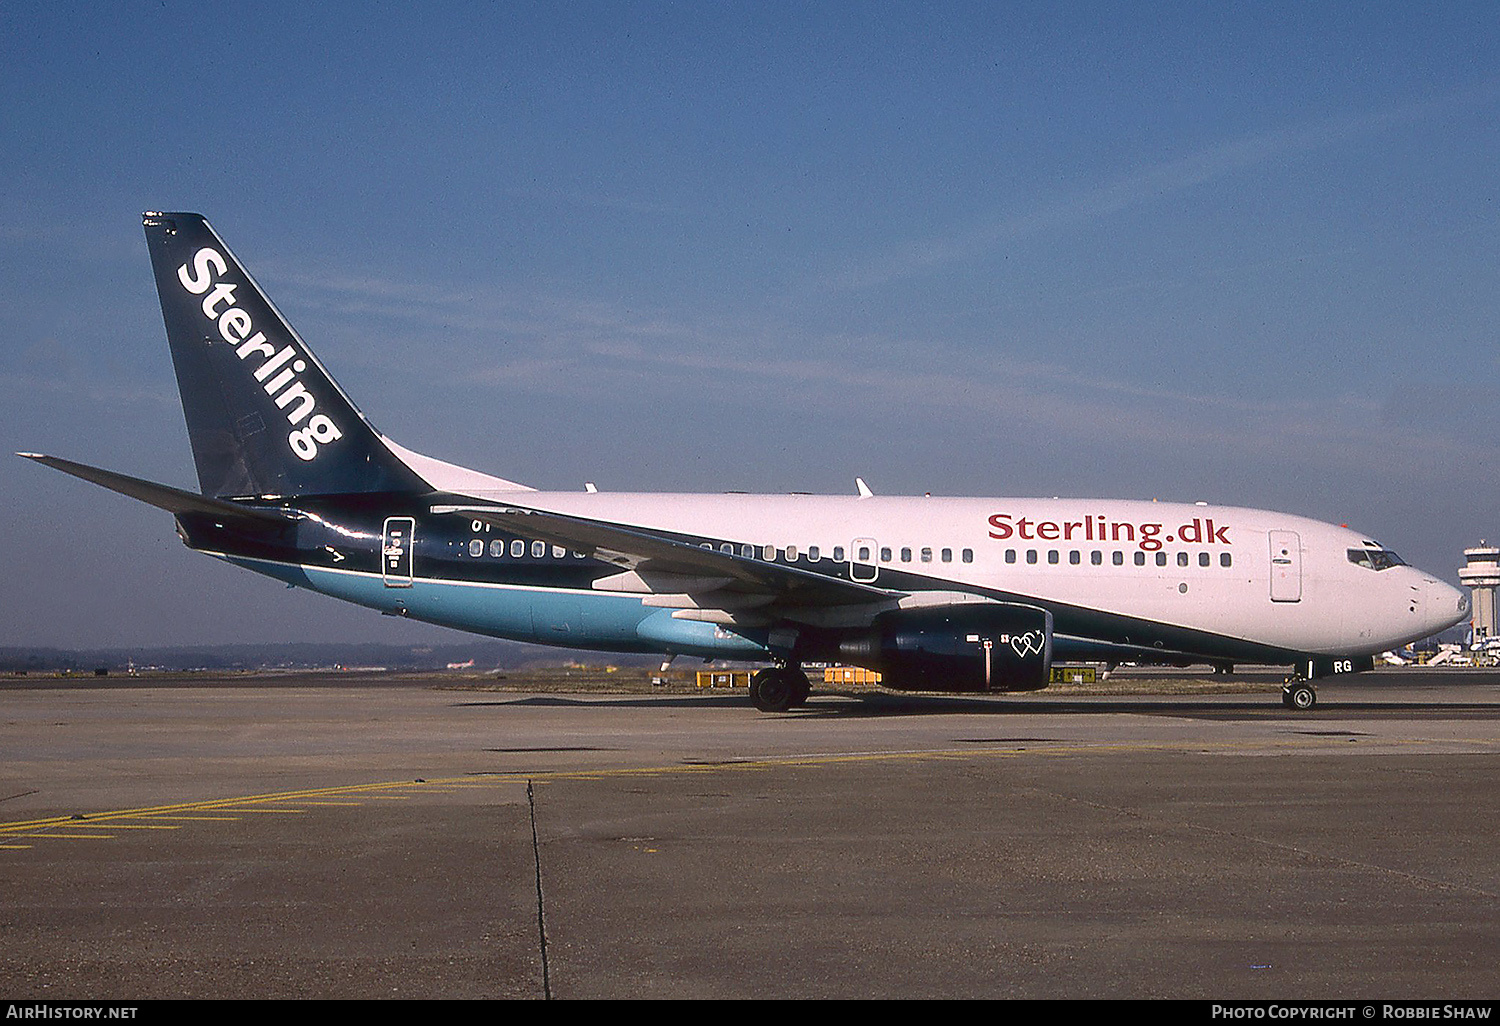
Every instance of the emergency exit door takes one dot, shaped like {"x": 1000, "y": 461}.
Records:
{"x": 862, "y": 564}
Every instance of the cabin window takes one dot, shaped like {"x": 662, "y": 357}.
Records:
{"x": 1031, "y": 555}
{"x": 906, "y": 555}
{"x": 497, "y": 548}
{"x": 813, "y": 553}
{"x": 558, "y": 552}
{"x": 1203, "y": 559}
{"x": 518, "y": 548}
{"x": 1052, "y": 555}
{"x": 1074, "y": 557}
{"x": 864, "y": 554}
{"x": 927, "y": 555}
{"x": 791, "y": 553}
{"x": 476, "y": 547}
{"x": 726, "y": 548}
{"x": 1161, "y": 559}
{"x": 947, "y": 555}
{"x": 1010, "y": 555}
{"x": 1182, "y": 559}
{"x": 838, "y": 553}
{"x": 1225, "y": 559}
{"x": 885, "y": 554}
{"x": 538, "y": 549}
{"x": 768, "y": 553}
{"x": 748, "y": 551}
{"x": 968, "y": 555}
{"x": 1140, "y": 559}
{"x": 1096, "y": 557}
{"x": 1117, "y": 558}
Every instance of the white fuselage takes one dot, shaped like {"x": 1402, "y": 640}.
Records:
{"x": 1253, "y": 575}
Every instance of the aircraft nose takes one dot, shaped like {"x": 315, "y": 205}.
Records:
{"x": 1443, "y": 604}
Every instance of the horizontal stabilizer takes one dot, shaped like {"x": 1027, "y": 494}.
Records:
{"x": 173, "y": 500}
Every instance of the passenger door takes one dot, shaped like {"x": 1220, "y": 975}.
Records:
{"x": 396, "y": 550}
{"x": 1286, "y": 566}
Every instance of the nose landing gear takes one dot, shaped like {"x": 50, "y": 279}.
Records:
{"x": 1299, "y": 695}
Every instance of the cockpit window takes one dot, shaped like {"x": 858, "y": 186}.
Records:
{"x": 1375, "y": 559}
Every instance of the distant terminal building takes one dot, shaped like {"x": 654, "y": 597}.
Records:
{"x": 1482, "y": 573}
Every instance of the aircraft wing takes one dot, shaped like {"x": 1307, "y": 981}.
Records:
{"x": 704, "y": 579}
{"x": 1066, "y": 647}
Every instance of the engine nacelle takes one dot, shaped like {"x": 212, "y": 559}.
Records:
{"x": 990, "y": 646}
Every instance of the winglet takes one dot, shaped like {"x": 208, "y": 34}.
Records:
{"x": 864, "y": 489}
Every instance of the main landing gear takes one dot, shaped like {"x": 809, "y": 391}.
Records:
{"x": 779, "y": 688}
{"x": 1299, "y": 695}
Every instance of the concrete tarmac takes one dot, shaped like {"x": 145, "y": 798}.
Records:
{"x": 311, "y": 838}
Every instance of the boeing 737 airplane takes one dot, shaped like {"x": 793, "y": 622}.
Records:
{"x": 937, "y": 594}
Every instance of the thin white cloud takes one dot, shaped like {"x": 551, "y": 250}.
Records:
{"x": 587, "y": 350}
{"x": 597, "y": 201}
{"x": 1145, "y": 185}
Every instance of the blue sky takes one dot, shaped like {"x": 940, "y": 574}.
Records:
{"x": 1245, "y": 254}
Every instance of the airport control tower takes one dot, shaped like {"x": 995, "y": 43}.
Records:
{"x": 1483, "y": 575}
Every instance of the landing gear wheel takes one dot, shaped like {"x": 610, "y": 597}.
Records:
{"x": 779, "y": 688}
{"x": 802, "y": 687}
{"x": 1299, "y": 696}
{"x": 774, "y": 689}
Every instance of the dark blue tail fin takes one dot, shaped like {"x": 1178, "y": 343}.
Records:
{"x": 263, "y": 416}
